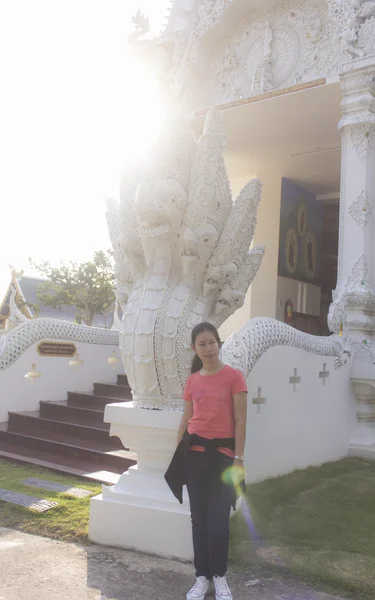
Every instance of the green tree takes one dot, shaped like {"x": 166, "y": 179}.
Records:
{"x": 89, "y": 286}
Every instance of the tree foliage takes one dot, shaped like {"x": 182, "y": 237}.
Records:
{"x": 89, "y": 286}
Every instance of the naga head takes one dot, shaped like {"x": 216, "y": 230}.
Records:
{"x": 162, "y": 193}
{"x": 160, "y": 205}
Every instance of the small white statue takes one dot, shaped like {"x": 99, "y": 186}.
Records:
{"x": 355, "y": 13}
{"x": 268, "y": 37}
{"x": 141, "y": 28}
{"x": 349, "y": 39}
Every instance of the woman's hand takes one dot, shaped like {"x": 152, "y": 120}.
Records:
{"x": 238, "y": 471}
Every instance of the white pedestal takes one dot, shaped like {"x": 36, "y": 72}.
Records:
{"x": 363, "y": 438}
{"x": 140, "y": 511}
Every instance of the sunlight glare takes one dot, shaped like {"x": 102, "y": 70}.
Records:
{"x": 77, "y": 106}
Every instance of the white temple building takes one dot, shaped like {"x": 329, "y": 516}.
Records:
{"x": 294, "y": 84}
{"x": 275, "y": 191}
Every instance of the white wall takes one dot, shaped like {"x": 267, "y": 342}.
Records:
{"x": 241, "y": 315}
{"x": 309, "y": 427}
{"x": 264, "y": 287}
{"x": 261, "y": 298}
{"x": 17, "y": 394}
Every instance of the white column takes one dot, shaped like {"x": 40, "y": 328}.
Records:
{"x": 353, "y": 306}
{"x": 354, "y": 298}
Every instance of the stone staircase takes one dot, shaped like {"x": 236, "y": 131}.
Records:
{"x": 70, "y": 436}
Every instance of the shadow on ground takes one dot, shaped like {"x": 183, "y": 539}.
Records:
{"x": 36, "y": 568}
{"x": 123, "y": 575}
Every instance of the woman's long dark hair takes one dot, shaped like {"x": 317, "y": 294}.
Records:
{"x": 197, "y": 364}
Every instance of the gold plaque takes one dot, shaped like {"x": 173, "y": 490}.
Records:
{"x": 64, "y": 349}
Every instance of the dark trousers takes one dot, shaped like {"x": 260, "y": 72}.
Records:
{"x": 210, "y": 504}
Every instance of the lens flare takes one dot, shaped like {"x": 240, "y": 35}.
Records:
{"x": 234, "y": 476}
{"x": 246, "y": 513}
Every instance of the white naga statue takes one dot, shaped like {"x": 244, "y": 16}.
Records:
{"x": 181, "y": 247}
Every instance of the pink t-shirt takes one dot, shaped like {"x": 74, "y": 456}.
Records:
{"x": 212, "y": 397}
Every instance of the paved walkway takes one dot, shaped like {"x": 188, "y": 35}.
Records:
{"x": 35, "y": 568}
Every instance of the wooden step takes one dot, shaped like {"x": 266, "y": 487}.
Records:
{"x": 90, "y": 400}
{"x": 109, "y": 390}
{"x": 30, "y": 423}
{"x": 64, "y": 452}
{"x": 122, "y": 380}
{"x": 60, "y": 411}
{"x": 71, "y": 436}
{"x": 84, "y": 471}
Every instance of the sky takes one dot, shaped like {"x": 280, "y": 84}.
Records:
{"x": 75, "y": 107}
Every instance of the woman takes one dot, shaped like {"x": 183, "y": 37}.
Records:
{"x": 213, "y": 431}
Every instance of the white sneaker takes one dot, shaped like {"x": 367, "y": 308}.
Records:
{"x": 199, "y": 589}
{"x": 222, "y": 591}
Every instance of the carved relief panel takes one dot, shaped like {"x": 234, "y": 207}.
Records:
{"x": 293, "y": 44}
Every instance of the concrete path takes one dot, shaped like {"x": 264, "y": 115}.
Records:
{"x": 35, "y": 568}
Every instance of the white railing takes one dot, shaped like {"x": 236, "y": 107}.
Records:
{"x": 14, "y": 343}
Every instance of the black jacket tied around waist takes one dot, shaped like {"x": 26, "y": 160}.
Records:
{"x": 175, "y": 474}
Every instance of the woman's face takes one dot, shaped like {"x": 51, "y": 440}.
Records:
{"x": 206, "y": 347}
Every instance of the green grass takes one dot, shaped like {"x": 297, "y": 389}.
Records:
{"x": 68, "y": 521}
{"x": 317, "y": 524}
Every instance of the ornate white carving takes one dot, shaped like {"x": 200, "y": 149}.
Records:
{"x": 208, "y": 15}
{"x": 363, "y": 138}
{"x": 359, "y": 290}
{"x": 261, "y": 75}
{"x": 364, "y": 349}
{"x": 366, "y": 37}
{"x": 141, "y": 28}
{"x": 196, "y": 265}
{"x": 357, "y": 127}
{"x": 2, "y": 343}
{"x": 361, "y": 118}
{"x": 337, "y": 315}
{"x": 354, "y": 310}
{"x": 359, "y": 276}
{"x": 15, "y": 317}
{"x": 162, "y": 52}
{"x": 116, "y": 318}
{"x": 272, "y": 50}
{"x": 26, "y": 334}
{"x": 360, "y": 210}
{"x": 307, "y": 42}
{"x": 173, "y": 53}
{"x": 353, "y": 20}
{"x": 245, "y": 347}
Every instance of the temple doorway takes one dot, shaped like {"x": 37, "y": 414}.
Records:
{"x": 289, "y": 139}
